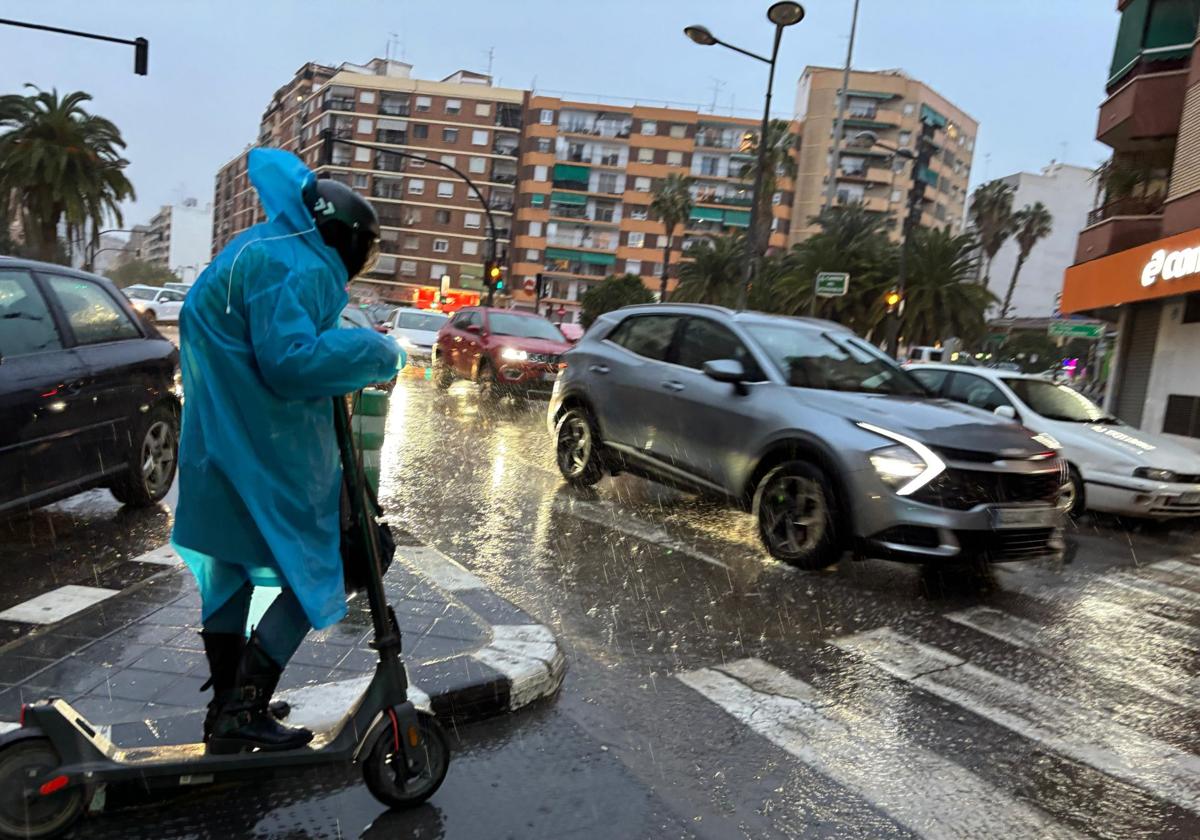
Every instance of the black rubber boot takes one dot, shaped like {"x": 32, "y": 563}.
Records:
{"x": 224, "y": 651}
{"x": 243, "y": 723}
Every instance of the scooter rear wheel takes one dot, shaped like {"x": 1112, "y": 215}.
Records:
{"x": 24, "y": 811}
{"x": 384, "y": 771}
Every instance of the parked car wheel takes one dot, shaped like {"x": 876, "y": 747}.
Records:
{"x": 152, "y": 464}
{"x": 796, "y": 515}
{"x": 443, "y": 377}
{"x": 1074, "y": 498}
{"x": 578, "y": 448}
{"x": 490, "y": 390}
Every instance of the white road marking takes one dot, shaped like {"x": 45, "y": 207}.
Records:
{"x": 56, "y": 604}
{"x": 627, "y": 523}
{"x": 162, "y": 556}
{"x": 867, "y": 756}
{"x": 1067, "y": 728}
{"x": 321, "y": 707}
{"x": 440, "y": 569}
{"x": 8, "y": 726}
{"x": 1101, "y": 658}
{"x": 1187, "y": 572}
{"x": 1155, "y": 589}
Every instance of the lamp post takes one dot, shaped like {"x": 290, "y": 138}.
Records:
{"x": 782, "y": 14}
{"x": 90, "y": 252}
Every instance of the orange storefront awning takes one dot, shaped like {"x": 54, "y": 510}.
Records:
{"x": 1157, "y": 269}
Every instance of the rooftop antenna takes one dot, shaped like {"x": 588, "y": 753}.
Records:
{"x": 490, "y": 54}
{"x": 717, "y": 85}
{"x": 392, "y": 38}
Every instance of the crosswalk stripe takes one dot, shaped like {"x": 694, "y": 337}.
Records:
{"x": 952, "y": 802}
{"x": 1188, "y": 573}
{"x": 56, "y": 604}
{"x": 1108, "y": 662}
{"x": 1067, "y": 728}
{"x": 1156, "y": 589}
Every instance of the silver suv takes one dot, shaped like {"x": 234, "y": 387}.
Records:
{"x": 829, "y": 442}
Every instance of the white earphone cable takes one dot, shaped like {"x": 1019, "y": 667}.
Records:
{"x": 229, "y": 285}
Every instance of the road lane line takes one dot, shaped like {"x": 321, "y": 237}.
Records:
{"x": 1071, "y": 730}
{"x": 630, "y": 525}
{"x": 868, "y": 757}
{"x": 56, "y": 604}
{"x": 1158, "y": 680}
{"x": 1186, "y": 573}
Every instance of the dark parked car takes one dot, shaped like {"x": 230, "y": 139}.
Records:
{"x": 502, "y": 350}
{"x": 88, "y": 390}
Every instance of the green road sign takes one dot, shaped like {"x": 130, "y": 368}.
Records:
{"x": 1075, "y": 329}
{"x": 832, "y": 283}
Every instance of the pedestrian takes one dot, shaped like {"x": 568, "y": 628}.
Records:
{"x": 259, "y": 467}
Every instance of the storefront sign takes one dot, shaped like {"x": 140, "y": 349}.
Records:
{"x": 1171, "y": 264}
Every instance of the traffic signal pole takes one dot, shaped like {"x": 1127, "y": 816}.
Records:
{"x": 912, "y": 218}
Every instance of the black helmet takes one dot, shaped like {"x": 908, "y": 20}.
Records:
{"x": 346, "y": 221}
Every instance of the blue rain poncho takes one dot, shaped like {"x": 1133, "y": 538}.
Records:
{"x": 261, "y": 354}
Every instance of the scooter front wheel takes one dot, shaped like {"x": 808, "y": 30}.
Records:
{"x": 26, "y": 767}
{"x": 390, "y": 781}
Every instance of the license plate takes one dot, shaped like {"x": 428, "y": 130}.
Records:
{"x": 1190, "y": 499}
{"x": 1039, "y": 517}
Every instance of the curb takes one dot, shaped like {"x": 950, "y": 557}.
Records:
{"x": 520, "y": 661}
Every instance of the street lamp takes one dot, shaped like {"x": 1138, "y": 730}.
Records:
{"x": 782, "y": 14}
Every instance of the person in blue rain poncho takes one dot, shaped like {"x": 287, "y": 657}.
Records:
{"x": 259, "y": 466}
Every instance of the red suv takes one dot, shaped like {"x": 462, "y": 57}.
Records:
{"x": 503, "y": 350}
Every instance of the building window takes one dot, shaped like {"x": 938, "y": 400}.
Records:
{"x": 445, "y": 189}
{"x": 633, "y": 266}
{"x": 636, "y": 239}
{"x": 408, "y": 268}
{"x": 545, "y": 145}
{"x": 905, "y": 138}
{"x": 412, "y": 215}
{"x": 606, "y": 182}
{"x": 710, "y": 165}
{"x": 1182, "y": 416}
{"x": 424, "y": 103}
{"x": 535, "y": 228}
{"x": 909, "y": 108}
{"x": 362, "y": 155}
{"x": 537, "y": 200}
{"x": 412, "y": 242}
{"x": 477, "y": 165}
{"x": 472, "y": 220}
{"x": 367, "y": 97}
{"x": 420, "y": 131}
{"x": 416, "y": 186}
{"x": 645, "y": 156}
{"x": 639, "y": 213}
{"x": 641, "y": 184}
{"x": 366, "y": 126}
{"x": 674, "y": 158}
{"x": 360, "y": 182}
{"x": 546, "y": 117}
{"x": 777, "y": 198}
{"x": 414, "y": 163}
{"x": 540, "y": 173}
{"x": 479, "y": 138}
{"x": 896, "y": 196}
{"x": 470, "y": 247}
{"x": 649, "y": 128}
{"x": 449, "y": 135}
{"x": 449, "y": 160}
{"x": 483, "y": 109}
{"x": 1191, "y": 308}
{"x": 453, "y": 106}
{"x": 532, "y": 254}
{"x": 441, "y": 246}
{"x": 441, "y": 217}
{"x": 679, "y": 131}
{"x": 437, "y": 271}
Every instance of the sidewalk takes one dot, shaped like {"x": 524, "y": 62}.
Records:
{"x": 134, "y": 662}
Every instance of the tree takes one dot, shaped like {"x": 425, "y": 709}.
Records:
{"x": 780, "y": 162}
{"x": 139, "y": 271}
{"x": 991, "y": 212}
{"x": 714, "y": 273}
{"x": 672, "y": 203}
{"x": 611, "y": 293}
{"x": 63, "y": 165}
{"x": 1032, "y": 224}
{"x": 939, "y": 299}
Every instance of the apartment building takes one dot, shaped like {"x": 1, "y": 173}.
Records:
{"x": 587, "y": 174}
{"x": 1137, "y": 262}
{"x": 893, "y": 106}
{"x": 434, "y": 229}
{"x": 179, "y": 238}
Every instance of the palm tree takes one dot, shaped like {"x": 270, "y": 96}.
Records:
{"x": 714, "y": 273}
{"x": 940, "y": 301}
{"x": 781, "y": 162}
{"x": 62, "y": 164}
{"x": 1033, "y": 223}
{"x": 991, "y": 211}
{"x": 672, "y": 204}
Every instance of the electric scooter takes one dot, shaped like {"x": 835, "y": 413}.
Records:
{"x": 57, "y": 764}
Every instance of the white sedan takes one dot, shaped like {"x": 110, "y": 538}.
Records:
{"x": 154, "y": 303}
{"x": 1115, "y": 468}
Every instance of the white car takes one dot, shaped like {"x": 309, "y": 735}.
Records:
{"x": 1114, "y": 467}
{"x": 154, "y": 303}
{"x": 416, "y": 330}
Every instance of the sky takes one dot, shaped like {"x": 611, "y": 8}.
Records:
{"x": 1030, "y": 71}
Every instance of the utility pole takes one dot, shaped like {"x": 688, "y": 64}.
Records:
{"x": 840, "y": 121}
{"x": 916, "y": 206}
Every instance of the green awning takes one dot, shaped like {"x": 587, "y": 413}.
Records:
{"x": 571, "y": 172}
{"x": 568, "y": 198}
{"x": 872, "y": 94}
{"x": 580, "y": 256}
{"x": 928, "y": 176}
{"x": 599, "y": 259}
{"x": 537, "y": 199}
{"x": 737, "y": 218}
{"x": 1129, "y": 38}
{"x": 563, "y": 254}
{"x": 707, "y": 214}
{"x": 928, "y": 115}
{"x": 863, "y": 122}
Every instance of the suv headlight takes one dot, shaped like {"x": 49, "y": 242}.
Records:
{"x": 512, "y": 354}
{"x": 906, "y": 466}
{"x": 1154, "y": 474}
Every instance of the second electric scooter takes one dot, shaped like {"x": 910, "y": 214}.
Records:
{"x": 55, "y": 764}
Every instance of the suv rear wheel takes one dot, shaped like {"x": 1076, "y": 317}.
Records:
{"x": 796, "y": 515}
{"x": 577, "y": 448}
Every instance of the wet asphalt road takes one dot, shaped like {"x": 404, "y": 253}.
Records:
{"x": 715, "y": 693}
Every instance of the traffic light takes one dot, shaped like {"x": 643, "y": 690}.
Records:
{"x": 926, "y": 147}
{"x": 141, "y": 56}
{"x": 892, "y": 299}
{"x": 495, "y": 276}
{"x": 540, "y": 288}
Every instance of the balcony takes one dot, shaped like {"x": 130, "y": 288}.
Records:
{"x": 337, "y": 103}
{"x": 388, "y": 188}
{"x": 508, "y": 116}
{"x": 394, "y": 107}
{"x": 579, "y": 240}
{"x": 504, "y": 177}
{"x": 385, "y": 135}
{"x": 1119, "y": 225}
{"x": 389, "y": 163}
{"x": 708, "y": 197}
{"x": 1144, "y": 108}
{"x": 505, "y": 149}
{"x": 579, "y": 268}
{"x": 504, "y": 203}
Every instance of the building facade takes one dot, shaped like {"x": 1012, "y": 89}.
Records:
{"x": 1068, "y": 192}
{"x": 1137, "y": 262}
{"x": 587, "y": 175}
{"x": 893, "y": 107}
{"x": 179, "y": 238}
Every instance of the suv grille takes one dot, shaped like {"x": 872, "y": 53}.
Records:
{"x": 960, "y": 489}
{"x": 544, "y": 358}
{"x": 1015, "y": 544}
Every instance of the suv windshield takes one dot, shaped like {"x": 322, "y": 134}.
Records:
{"x": 1058, "y": 402}
{"x": 428, "y": 321}
{"x": 809, "y": 359}
{"x": 523, "y": 326}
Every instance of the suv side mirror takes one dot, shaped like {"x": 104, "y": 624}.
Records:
{"x": 727, "y": 370}
{"x": 473, "y": 328}
{"x": 1005, "y": 411}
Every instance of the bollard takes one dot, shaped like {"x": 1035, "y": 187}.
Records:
{"x": 367, "y": 425}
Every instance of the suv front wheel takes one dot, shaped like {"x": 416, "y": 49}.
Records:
{"x": 577, "y": 448}
{"x": 796, "y": 515}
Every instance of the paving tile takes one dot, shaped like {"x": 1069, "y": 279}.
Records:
{"x": 71, "y": 677}
{"x": 47, "y": 646}
{"x": 135, "y": 684}
{"x": 174, "y": 617}
{"x": 297, "y": 674}
{"x": 113, "y": 652}
{"x": 171, "y": 660}
{"x": 184, "y": 692}
{"x": 99, "y": 708}
{"x": 145, "y": 634}
{"x": 15, "y": 669}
